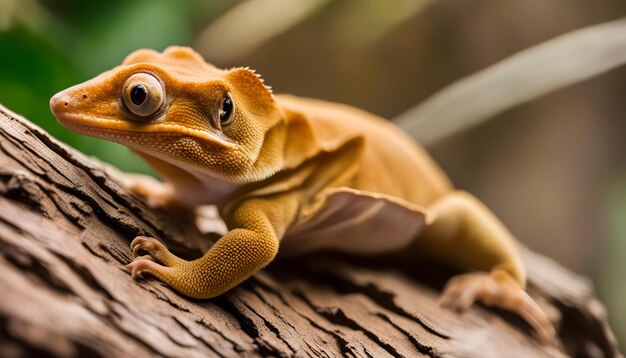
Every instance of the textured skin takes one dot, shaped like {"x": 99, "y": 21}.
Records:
{"x": 294, "y": 173}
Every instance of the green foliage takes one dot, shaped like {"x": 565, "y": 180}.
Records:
{"x": 51, "y": 46}
{"x": 30, "y": 73}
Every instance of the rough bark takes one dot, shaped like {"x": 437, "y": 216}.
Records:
{"x": 65, "y": 226}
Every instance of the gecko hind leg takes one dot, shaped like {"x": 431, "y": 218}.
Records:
{"x": 465, "y": 233}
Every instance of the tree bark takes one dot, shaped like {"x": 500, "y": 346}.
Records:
{"x": 65, "y": 227}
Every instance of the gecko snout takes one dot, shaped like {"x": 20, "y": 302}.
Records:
{"x": 88, "y": 101}
{"x": 76, "y": 107}
{"x": 67, "y": 101}
{"x": 58, "y": 103}
{"x": 62, "y": 106}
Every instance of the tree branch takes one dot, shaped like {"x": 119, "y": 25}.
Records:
{"x": 65, "y": 227}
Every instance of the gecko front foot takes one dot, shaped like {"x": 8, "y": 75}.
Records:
{"x": 500, "y": 290}
{"x": 155, "y": 249}
{"x": 186, "y": 277}
{"x": 159, "y": 263}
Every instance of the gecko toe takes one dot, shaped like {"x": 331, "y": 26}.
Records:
{"x": 137, "y": 244}
{"x": 146, "y": 244}
{"x": 141, "y": 266}
{"x": 460, "y": 293}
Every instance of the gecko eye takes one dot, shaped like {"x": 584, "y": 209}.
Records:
{"x": 226, "y": 110}
{"x": 143, "y": 94}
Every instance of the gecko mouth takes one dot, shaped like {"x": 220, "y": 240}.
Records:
{"x": 124, "y": 132}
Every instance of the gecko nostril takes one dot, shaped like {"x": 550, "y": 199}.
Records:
{"x": 65, "y": 104}
{"x": 84, "y": 96}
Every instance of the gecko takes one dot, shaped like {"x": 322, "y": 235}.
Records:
{"x": 290, "y": 175}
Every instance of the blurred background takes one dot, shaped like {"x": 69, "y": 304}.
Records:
{"x": 552, "y": 169}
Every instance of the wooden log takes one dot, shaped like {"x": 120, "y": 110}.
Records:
{"x": 65, "y": 227}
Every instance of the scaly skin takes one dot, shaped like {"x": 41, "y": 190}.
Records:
{"x": 277, "y": 165}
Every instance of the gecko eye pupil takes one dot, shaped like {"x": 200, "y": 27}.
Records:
{"x": 138, "y": 94}
{"x": 226, "y": 112}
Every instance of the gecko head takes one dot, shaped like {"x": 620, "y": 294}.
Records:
{"x": 178, "y": 108}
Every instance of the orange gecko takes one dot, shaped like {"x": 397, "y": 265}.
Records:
{"x": 288, "y": 174}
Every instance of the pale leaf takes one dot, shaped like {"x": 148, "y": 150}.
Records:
{"x": 527, "y": 75}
